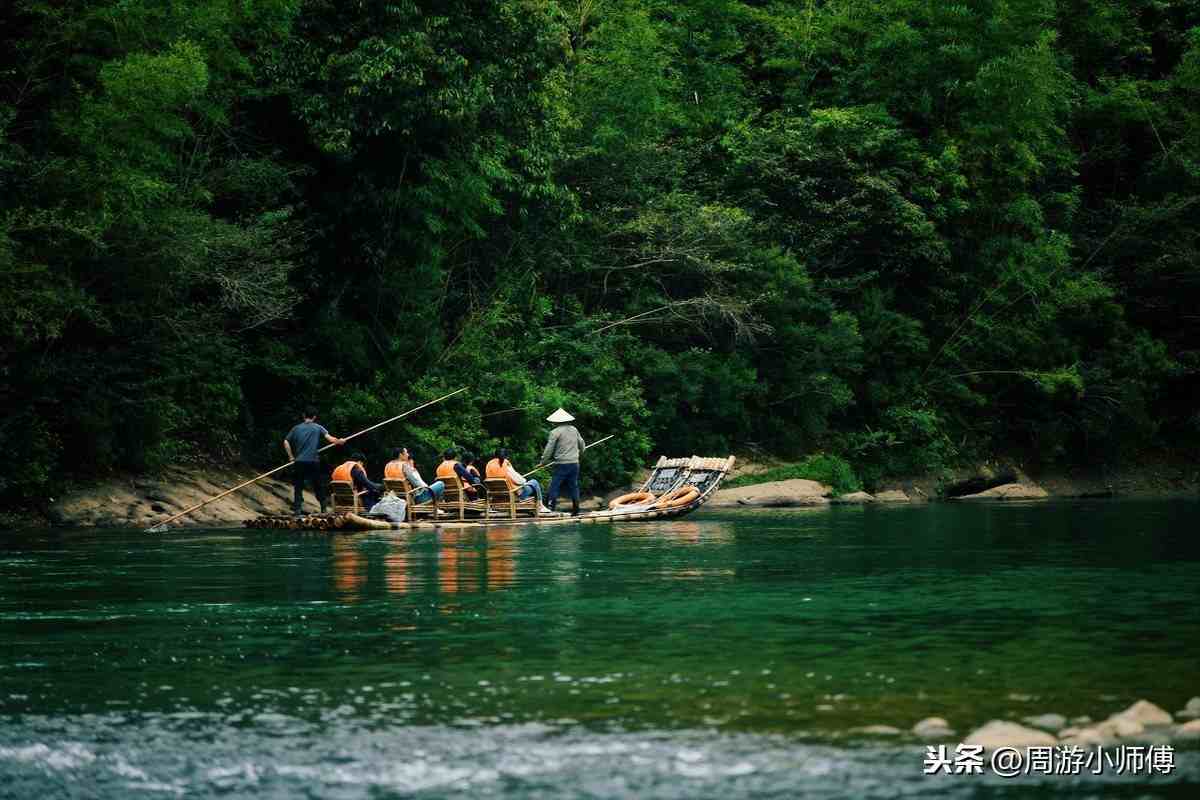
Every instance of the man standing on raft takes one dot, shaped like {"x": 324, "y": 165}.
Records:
{"x": 302, "y": 444}
{"x": 563, "y": 448}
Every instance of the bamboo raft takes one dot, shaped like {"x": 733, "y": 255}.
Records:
{"x": 670, "y": 477}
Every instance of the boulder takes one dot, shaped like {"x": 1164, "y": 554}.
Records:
{"x": 933, "y": 728}
{"x": 794, "y": 492}
{"x": 1009, "y": 491}
{"x": 854, "y": 498}
{"x": 1145, "y": 713}
{"x": 1047, "y": 722}
{"x": 1188, "y": 731}
{"x": 892, "y": 496}
{"x": 1000, "y": 733}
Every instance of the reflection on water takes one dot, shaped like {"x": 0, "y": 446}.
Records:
{"x": 484, "y": 560}
{"x": 725, "y": 654}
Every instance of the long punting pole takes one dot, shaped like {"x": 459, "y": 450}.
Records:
{"x": 162, "y": 526}
{"x": 585, "y": 447}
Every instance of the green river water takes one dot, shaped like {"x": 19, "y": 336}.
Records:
{"x": 723, "y": 655}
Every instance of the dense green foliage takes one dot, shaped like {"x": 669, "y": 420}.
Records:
{"x": 904, "y": 232}
{"x": 828, "y": 469}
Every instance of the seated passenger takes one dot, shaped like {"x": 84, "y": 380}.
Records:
{"x": 468, "y": 461}
{"x": 501, "y": 467}
{"x": 450, "y": 466}
{"x": 402, "y": 466}
{"x": 355, "y": 473}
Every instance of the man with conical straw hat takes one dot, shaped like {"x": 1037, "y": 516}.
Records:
{"x": 563, "y": 448}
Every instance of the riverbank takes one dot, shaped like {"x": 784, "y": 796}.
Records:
{"x": 141, "y": 501}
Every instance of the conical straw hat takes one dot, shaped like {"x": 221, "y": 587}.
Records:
{"x": 560, "y": 416}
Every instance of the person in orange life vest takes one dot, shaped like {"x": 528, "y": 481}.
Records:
{"x": 354, "y": 472}
{"x": 451, "y": 466}
{"x": 501, "y": 467}
{"x": 402, "y": 466}
{"x": 303, "y": 444}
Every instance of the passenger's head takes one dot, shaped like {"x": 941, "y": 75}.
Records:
{"x": 357, "y": 455}
{"x": 310, "y": 414}
{"x": 399, "y": 453}
{"x": 502, "y": 455}
{"x": 448, "y": 454}
{"x": 468, "y": 458}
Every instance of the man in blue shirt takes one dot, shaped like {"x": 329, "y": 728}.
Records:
{"x": 303, "y": 443}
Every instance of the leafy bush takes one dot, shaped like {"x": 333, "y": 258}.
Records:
{"x": 821, "y": 467}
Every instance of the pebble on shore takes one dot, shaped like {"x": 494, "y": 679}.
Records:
{"x": 1047, "y": 722}
{"x": 933, "y": 728}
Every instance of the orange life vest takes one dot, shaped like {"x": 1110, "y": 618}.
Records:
{"x": 394, "y": 470}
{"x": 344, "y": 471}
{"x": 446, "y": 470}
{"x": 495, "y": 469}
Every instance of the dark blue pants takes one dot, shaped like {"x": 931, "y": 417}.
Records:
{"x": 566, "y": 477}
{"x": 307, "y": 472}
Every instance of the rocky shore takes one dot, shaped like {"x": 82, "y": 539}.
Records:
{"x": 141, "y": 501}
{"x": 1142, "y": 723}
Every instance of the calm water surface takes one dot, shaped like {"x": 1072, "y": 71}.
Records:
{"x": 724, "y": 655}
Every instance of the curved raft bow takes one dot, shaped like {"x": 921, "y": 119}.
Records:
{"x": 676, "y": 486}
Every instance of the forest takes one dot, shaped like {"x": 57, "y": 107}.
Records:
{"x": 900, "y": 233}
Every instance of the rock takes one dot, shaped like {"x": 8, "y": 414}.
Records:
{"x": 877, "y": 730}
{"x": 162, "y": 510}
{"x": 854, "y": 498}
{"x": 1087, "y": 737}
{"x": 783, "y": 501}
{"x": 593, "y": 503}
{"x": 933, "y": 728}
{"x": 1009, "y": 491}
{"x": 986, "y": 479}
{"x": 1191, "y": 710}
{"x": 1144, "y": 712}
{"x": 999, "y": 733}
{"x": 891, "y": 496}
{"x": 798, "y": 491}
{"x": 1122, "y": 727}
{"x": 1188, "y": 730}
{"x": 1047, "y": 722}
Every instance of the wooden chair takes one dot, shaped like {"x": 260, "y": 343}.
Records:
{"x": 503, "y": 500}
{"x": 456, "y": 500}
{"x": 412, "y": 509}
{"x": 344, "y": 497}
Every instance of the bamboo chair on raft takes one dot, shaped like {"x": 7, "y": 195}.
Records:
{"x": 458, "y": 502}
{"x": 503, "y": 500}
{"x": 344, "y": 496}
{"x": 413, "y": 510}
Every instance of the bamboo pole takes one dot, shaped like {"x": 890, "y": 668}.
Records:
{"x": 162, "y": 526}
